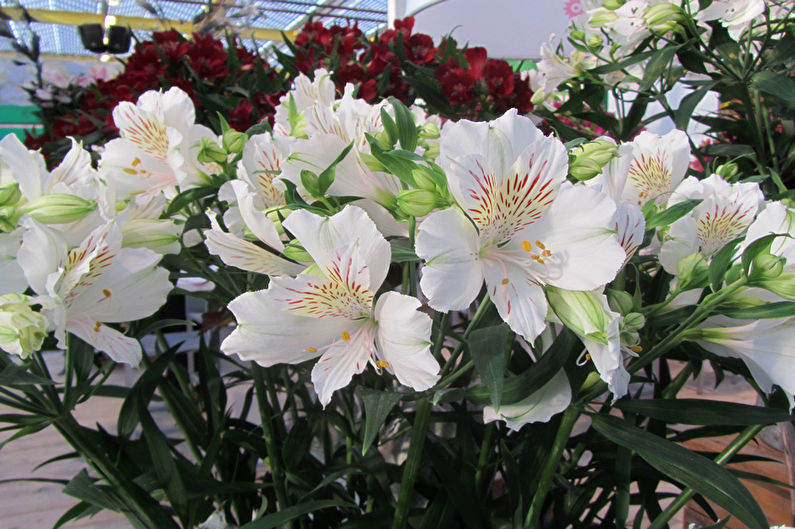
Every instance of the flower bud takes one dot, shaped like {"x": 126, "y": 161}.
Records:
{"x": 602, "y": 17}
{"x": 297, "y": 253}
{"x": 22, "y": 330}
{"x": 429, "y": 131}
{"x": 58, "y": 208}
{"x": 766, "y": 267}
{"x": 783, "y": 285}
{"x": 423, "y": 180}
{"x": 620, "y": 301}
{"x": 162, "y": 236}
{"x": 661, "y": 18}
{"x": 595, "y": 42}
{"x": 234, "y": 141}
{"x": 727, "y": 171}
{"x": 633, "y": 321}
{"x": 692, "y": 272}
{"x": 9, "y": 194}
{"x": 581, "y": 311}
{"x": 613, "y": 4}
{"x": 587, "y": 160}
{"x": 416, "y": 202}
{"x": 210, "y": 151}
{"x": 577, "y": 35}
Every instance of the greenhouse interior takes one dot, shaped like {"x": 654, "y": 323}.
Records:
{"x": 400, "y": 264}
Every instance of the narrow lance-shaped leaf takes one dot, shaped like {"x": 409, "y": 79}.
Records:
{"x": 689, "y": 468}
{"x": 377, "y": 405}
{"x": 670, "y": 215}
{"x": 704, "y": 412}
{"x": 487, "y": 347}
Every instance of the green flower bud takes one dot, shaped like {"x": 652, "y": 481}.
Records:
{"x": 432, "y": 149}
{"x": 297, "y": 253}
{"x": 210, "y": 152}
{"x": 160, "y": 235}
{"x": 766, "y": 267}
{"x": 692, "y": 272}
{"x": 620, "y": 301}
{"x": 423, "y": 179}
{"x": 577, "y": 35}
{"x": 58, "y": 208}
{"x": 9, "y": 194}
{"x": 633, "y": 321}
{"x": 588, "y": 159}
{"x": 22, "y": 330}
{"x": 581, "y": 311}
{"x": 595, "y": 42}
{"x": 602, "y": 17}
{"x": 783, "y": 285}
{"x": 613, "y": 4}
{"x": 234, "y": 141}
{"x": 728, "y": 171}
{"x": 661, "y": 18}
{"x": 416, "y": 202}
{"x": 429, "y": 131}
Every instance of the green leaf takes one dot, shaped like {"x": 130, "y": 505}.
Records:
{"x": 406, "y": 128}
{"x": 688, "y": 105}
{"x": 721, "y": 262}
{"x": 326, "y": 178}
{"x": 668, "y": 216}
{"x": 518, "y": 387}
{"x": 620, "y": 65}
{"x": 728, "y": 149}
{"x": 186, "y": 197}
{"x": 310, "y": 182}
{"x": 703, "y": 412}
{"x": 291, "y": 513}
{"x": 389, "y": 126}
{"x": 402, "y": 254}
{"x": 487, "y": 347}
{"x": 780, "y": 309}
{"x": 689, "y": 468}
{"x": 377, "y": 405}
{"x": 657, "y": 65}
{"x": 775, "y": 84}
{"x": 14, "y": 376}
{"x": 83, "y": 488}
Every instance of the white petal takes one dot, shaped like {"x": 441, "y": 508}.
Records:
{"x": 75, "y": 167}
{"x": 245, "y": 255}
{"x": 404, "y": 340}
{"x": 42, "y": 253}
{"x": 339, "y": 363}
{"x": 452, "y": 276}
{"x": 577, "y": 230}
{"x": 27, "y": 167}
{"x": 269, "y": 336}
{"x": 321, "y": 237}
{"x": 518, "y": 298}
{"x": 178, "y": 110}
{"x": 776, "y": 218}
{"x": 607, "y": 357}
{"x": 553, "y": 398}
{"x": 259, "y": 224}
{"x": 630, "y": 228}
{"x": 110, "y": 341}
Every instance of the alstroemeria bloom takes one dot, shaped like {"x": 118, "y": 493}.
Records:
{"x": 764, "y": 345}
{"x": 158, "y": 144}
{"x": 725, "y": 212}
{"x": 540, "y": 406}
{"x": 328, "y": 313}
{"x": 658, "y": 165}
{"x": 96, "y": 283}
{"x": 521, "y": 225}
{"x": 735, "y": 15}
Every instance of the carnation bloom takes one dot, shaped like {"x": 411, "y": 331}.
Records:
{"x": 328, "y": 312}
{"x": 519, "y": 227}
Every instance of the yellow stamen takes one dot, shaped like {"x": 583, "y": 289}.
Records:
{"x": 587, "y": 357}
{"x": 130, "y": 171}
{"x": 505, "y": 281}
{"x": 381, "y": 364}
{"x": 636, "y": 348}
{"x": 541, "y": 245}
{"x": 311, "y": 349}
{"x": 106, "y": 292}
{"x": 546, "y": 253}
{"x": 136, "y": 161}
{"x": 345, "y": 336}
{"x": 526, "y": 246}
{"x": 97, "y": 326}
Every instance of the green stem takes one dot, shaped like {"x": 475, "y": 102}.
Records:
{"x": 274, "y": 459}
{"x": 730, "y": 451}
{"x": 677, "y": 383}
{"x": 412, "y": 464}
{"x": 483, "y": 458}
{"x": 550, "y": 466}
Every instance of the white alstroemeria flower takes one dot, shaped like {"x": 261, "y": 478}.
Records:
{"x": 521, "y": 226}
{"x": 261, "y": 166}
{"x": 764, "y": 345}
{"x": 726, "y": 211}
{"x": 775, "y": 218}
{"x": 555, "y": 69}
{"x": 96, "y": 283}
{"x": 658, "y": 165}
{"x": 157, "y": 148}
{"x": 328, "y": 311}
{"x": 306, "y": 93}
{"x": 735, "y": 15}
{"x": 540, "y": 406}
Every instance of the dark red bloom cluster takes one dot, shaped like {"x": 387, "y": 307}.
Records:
{"x": 452, "y": 82}
{"x": 218, "y": 78}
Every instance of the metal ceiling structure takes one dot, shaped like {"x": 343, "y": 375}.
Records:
{"x": 259, "y": 22}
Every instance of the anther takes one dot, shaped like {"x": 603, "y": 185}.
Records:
{"x": 345, "y": 336}
{"x": 381, "y": 364}
{"x": 505, "y": 281}
{"x": 311, "y": 349}
{"x": 526, "y": 246}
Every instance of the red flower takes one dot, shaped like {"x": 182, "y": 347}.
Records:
{"x": 420, "y": 49}
{"x": 499, "y": 77}
{"x": 207, "y": 57}
{"x": 350, "y": 73}
{"x": 368, "y": 90}
{"x": 458, "y": 84}
{"x": 240, "y": 117}
{"x": 476, "y": 58}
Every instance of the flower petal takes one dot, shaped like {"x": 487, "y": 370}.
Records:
{"x": 553, "y": 398}
{"x": 517, "y": 296}
{"x": 452, "y": 276}
{"x": 339, "y": 363}
{"x": 403, "y": 339}
{"x": 103, "y": 338}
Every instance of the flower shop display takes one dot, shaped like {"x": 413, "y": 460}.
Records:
{"x": 432, "y": 322}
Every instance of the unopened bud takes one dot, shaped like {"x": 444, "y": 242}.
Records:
{"x": 429, "y": 131}
{"x": 728, "y": 171}
{"x": 159, "y": 235}
{"x": 9, "y": 194}
{"x": 210, "y": 151}
{"x": 587, "y": 160}
{"x": 22, "y": 330}
{"x": 766, "y": 267}
{"x": 58, "y": 208}
{"x": 602, "y": 17}
{"x": 620, "y": 301}
{"x": 595, "y": 42}
{"x": 633, "y": 321}
{"x": 234, "y": 141}
{"x": 577, "y": 35}
{"x": 416, "y": 202}
{"x": 613, "y": 4}
{"x": 662, "y": 18}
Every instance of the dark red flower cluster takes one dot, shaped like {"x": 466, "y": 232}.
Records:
{"x": 215, "y": 79}
{"x": 452, "y": 82}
